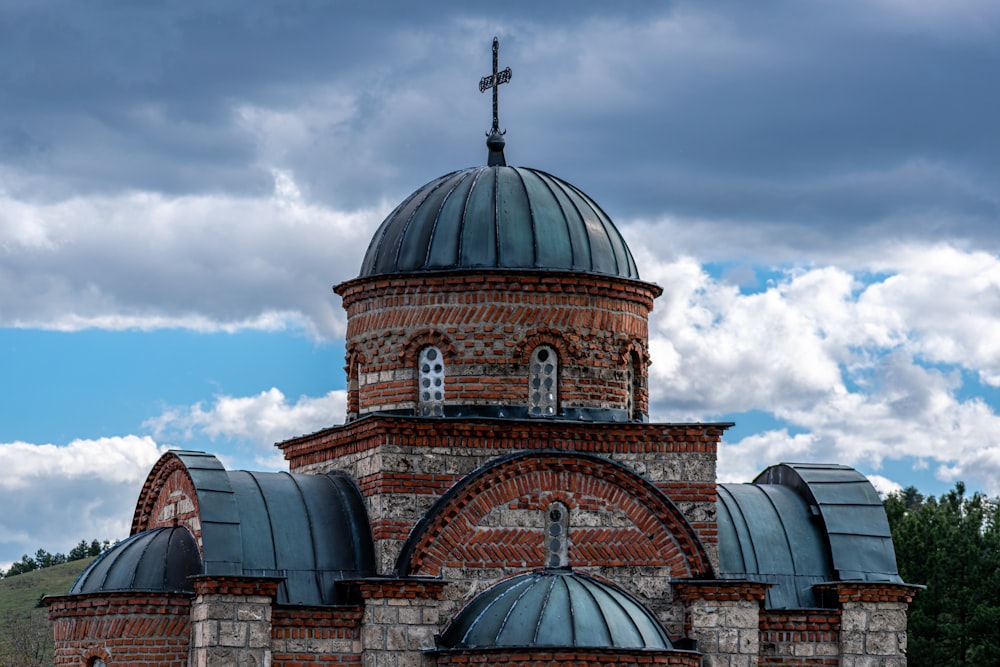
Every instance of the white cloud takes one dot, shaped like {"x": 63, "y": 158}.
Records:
{"x": 259, "y": 421}
{"x": 206, "y": 262}
{"x": 54, "y": 496}
{"x": 866, "y": 367}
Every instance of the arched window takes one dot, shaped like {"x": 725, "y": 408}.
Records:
{"x": 543, "y": 382}
{"x": 430, "y": 380}
{"x": 557, "y": 536}
{"x": 632, "y": 378}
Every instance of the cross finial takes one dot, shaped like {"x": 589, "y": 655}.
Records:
{"x": 495, "y": 141}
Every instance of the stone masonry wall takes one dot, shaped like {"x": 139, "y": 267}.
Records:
{"x": 723, "y": 618}
{"x": 231, "y": 621}
{"x": 142, "y": 629}
{"x": 403, "y": 465}
{"x": 487, "y": 325}
{"x": 872, "y": 622}
{"x": 401, "y": 618}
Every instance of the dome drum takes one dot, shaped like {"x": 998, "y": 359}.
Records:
{"x": 486, "y": 326}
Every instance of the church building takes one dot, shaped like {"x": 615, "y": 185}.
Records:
{"x": 497, "y": 494}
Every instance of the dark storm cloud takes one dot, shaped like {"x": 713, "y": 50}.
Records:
{"x": 796, "y": 114}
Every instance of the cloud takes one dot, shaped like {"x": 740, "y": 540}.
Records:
{"x": 864, "y": 367}
{"x": 255, "y": 421}
{"x": 208, "y": 263}
{"x": 54, "y": 496}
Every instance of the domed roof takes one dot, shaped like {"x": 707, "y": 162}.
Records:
{"x": 554, "y": 608}
{"x": 498, "y": 217}
{"x": 159, "y": 560}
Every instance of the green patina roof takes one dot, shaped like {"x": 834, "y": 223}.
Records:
{"x": 498, "y": 217}
{"x": 798, "y": 525}
{"x": 159, "y": 560}
{"x": 554, "y": 608}
{"x": 310, "y": 531}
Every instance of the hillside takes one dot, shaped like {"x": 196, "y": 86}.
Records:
{"x": 25, "y": 635}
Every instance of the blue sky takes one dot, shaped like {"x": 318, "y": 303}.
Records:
{"x": 813, "y": 184}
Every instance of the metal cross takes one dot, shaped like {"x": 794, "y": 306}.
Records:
{"x": 493, "y": 81}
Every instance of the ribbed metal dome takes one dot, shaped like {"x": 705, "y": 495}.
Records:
{"x": 554, "y": 608}
{"x": 498, "y": 217}
{"x": 159, "y": 560}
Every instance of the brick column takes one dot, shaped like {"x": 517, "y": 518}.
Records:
{"x": 872, "y": 621}
{"x": 724, "y": 618}
{"x": 400, "y": 621}
{"x": 231, "y": 621}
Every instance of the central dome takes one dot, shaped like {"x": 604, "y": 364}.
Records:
{"x": 498, "y": 217}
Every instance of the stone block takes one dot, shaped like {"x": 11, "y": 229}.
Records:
{"x": 882, "y": 643}
{"x": 885, "y": 620}
{"x": 702, "y": 617}
{"x": 232, "y": 633}
{"x": 852, "y": 642}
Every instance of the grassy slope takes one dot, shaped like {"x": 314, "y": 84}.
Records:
{"x": 19, "y": 595}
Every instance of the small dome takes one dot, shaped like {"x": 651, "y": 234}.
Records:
{"x": 158, "y": 560}
{"x": 554, "y": 608}
{"x": 498, "y": 217}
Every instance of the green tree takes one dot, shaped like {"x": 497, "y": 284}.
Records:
{"x": 26, "y": 564}
{"x": 950, "y": 544}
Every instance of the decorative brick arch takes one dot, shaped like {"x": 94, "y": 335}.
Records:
{"x": 354, "y": 358}
{"x": 637, "y": 348}
{"x": 546, "y": 336}
{"x": 650, "y": 530}
{"x": 169, "y": 497}
{"x": 423, "y": 338}
{"x": 95, "y": 652}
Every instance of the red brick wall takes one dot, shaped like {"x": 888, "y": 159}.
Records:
{"x": 315, "y": 636}
{"x": 486, "y": 324}
{"x": 616, "y": 519}
{"x": 139, "y": 629}
{"x": 168, "y": 498}
{"x": 809, "y": 638}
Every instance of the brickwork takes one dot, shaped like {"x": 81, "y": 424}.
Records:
{"x": 809, "y": 638}
{"x": 873, "y": 622}
{"x": 568, "y": 658}
{"x": 723, "y": 617}
{"x": 168, "y": 498}
{"x": 303, "y": 636}
{"x": 142, "y": 629}
{"x": 404, "y": 464}
{"x": 401, "y": 618}
{"x": 487, "y": 325}
{"x": 231, "y": 621}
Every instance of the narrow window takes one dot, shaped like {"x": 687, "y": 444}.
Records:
{"x": 430, "y": 378}
{"x": 543, "y": 382}
{"x": 633, "y": 377}
{"x": 557, "y": 536}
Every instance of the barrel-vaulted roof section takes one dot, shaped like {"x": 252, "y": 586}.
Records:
{"x": 798, "y": 525}
{"x": 852, "y": 514}
{"x": 310, "y": 531}
{"x": 499, "y": 217}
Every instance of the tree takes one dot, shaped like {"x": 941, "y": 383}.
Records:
{"x": 27, "y": 640}
{"x": 951, "y": 545}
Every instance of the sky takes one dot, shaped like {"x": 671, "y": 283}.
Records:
{"x": 814, "y": 184}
